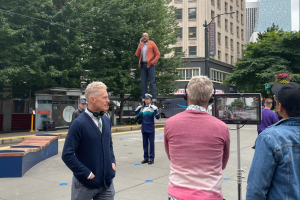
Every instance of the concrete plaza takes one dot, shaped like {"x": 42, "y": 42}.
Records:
{"x": 51, "y": 179}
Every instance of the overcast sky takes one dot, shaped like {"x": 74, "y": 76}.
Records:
{"x": 295, "y": 13}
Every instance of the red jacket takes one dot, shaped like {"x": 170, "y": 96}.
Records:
{"x": 152, "y": 53}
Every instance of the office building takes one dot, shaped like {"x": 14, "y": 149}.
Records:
{"x": 230, "y": 37}
{"x": 274, "y": 11}
{"x": 252, "y": 10}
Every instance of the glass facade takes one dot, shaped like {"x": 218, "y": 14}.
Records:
{"x": 274, "y": 11}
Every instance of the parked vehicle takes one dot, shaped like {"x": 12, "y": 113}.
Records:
{"x": 172, "y": 107}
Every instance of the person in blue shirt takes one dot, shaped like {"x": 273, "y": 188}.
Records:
{"x": 275, "y": 169}
{"x": 147, "y": 113}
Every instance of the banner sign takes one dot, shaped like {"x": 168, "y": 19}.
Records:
{"x": 212, "y": 39}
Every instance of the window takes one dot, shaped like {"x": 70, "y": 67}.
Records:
{"x": 219, "y": 38}
{"x": 192, "y": 13}
{"x": 238, "y": 47}
{"x": 237, "y": 2}
{"x": 192, "y": 52}
{"x": 192, "y": 32}
{"x": 178, "y": 49}
{"x": 226, "y": 41}
{"x": 226, "y": 7}
{"x": 219, "y": 21}
{"x": 212, "y": 13}
{"x": 167, "y": 105}
{"x": 219, "y": 4}
{"x": 231, "y": 9}
{"x": 219, "y": 55}
{"x": 231, "y": 28}
{"x": 231, "y": 60}
{"x": 188, "y": 73}
{"x": 237, "y": 16}
{"x": 231, "y": 44}
{"x": 178, "y": 13}
{"x": 217, "y": 75}
{"x": 212, "y": 2}
{"x": 226, "y": 25}
{"x": 237, "y": 31}
{"x": 226, "y": 57}
{"x": 242, "y": 7}
{"x": 179, "y": 33}
{"x": 242, "y": 19}
{"x": 242, "y": 34}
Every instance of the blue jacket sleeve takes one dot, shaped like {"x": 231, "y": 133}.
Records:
{"x": 70, "y": 147}
{"x": 138, "y": 113}
{"x": 156, "y": 114}
{"x": 112, "y": 155}
{"x": 262, "y": 169}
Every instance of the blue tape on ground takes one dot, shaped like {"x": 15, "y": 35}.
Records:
{"x": 129, "y": 153}
{"x": 149, "y": 181}
{"x": 232, "y": 151}
{"x": 121, "y": 138}
{"x": 63, "y": 184}
{"x": 124, "y": 145}
{"x": 137, "y": 164}
{"x": 234, "y": 138}
{"x": 160, "y": 138}
{"x": 227, "y": 179}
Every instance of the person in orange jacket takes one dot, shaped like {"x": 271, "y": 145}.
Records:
{"x": 149, "y": 55}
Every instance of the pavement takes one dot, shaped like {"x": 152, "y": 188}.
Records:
{"x": 51, "y": 179}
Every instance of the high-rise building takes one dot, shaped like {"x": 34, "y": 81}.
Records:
{"x": 252, "y": 10}
{"x": 191, "y": 15}
{"x": 230, "y": 37}
{"x": 274, "y": 11}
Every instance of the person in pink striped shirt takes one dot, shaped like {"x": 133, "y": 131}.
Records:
{"x": 197, "y": 144}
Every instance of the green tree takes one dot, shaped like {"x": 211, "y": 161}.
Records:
{"x": 36, "y": 54}
{"x": 278, "y": 51}
{"x": 237, "y": 103}
{"x": 113, "y": 59}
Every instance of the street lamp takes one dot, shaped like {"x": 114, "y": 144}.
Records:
{"x": 205, "y": 25}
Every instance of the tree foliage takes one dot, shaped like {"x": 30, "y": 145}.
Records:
{"x": 237, "y": 103}
{"x": 62, "y": 43}
{"x": 277, "y": 51}
{"x": 36, "y": 54}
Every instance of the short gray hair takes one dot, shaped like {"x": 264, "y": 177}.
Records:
{"x": 93, "y": 88}
{"x": 199, "y": 90}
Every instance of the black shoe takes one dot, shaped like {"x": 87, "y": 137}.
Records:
{"x": 144, "y": 161}
{"x": 150, "y": 162}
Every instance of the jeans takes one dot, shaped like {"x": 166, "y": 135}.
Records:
{"x": 145, "y": 73}
{"x": 79, "y": 192}
{"x": 275, "y": 169}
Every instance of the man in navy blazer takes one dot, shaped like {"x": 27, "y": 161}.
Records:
{"x": 88, "y": 149}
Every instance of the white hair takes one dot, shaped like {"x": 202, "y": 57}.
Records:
{"x": 93, "y": 89}
{"x": 199, "y": 90}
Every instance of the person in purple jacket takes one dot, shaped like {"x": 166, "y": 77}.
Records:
{"x": 268, "y": 116}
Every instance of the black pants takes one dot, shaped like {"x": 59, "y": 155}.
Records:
{"x": 49, "y": 126}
